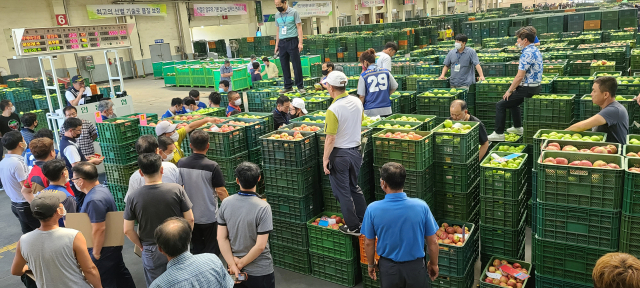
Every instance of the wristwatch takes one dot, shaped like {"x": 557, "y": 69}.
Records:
{"x": 509, "y": 91}
{"x": 371, "y": 266}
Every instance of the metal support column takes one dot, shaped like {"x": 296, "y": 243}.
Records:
{"x": 52, "y": 116}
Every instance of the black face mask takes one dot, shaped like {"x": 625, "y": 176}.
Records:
{"x": 280, "y": 9}
{"x": 325, "y": 72}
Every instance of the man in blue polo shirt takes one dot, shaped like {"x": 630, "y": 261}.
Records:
{"x": 401, "y": 225}
{"x": 289, "y": 44}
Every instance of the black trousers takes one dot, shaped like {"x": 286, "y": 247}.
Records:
{"x": 344, "y": 184}
{"x": 265, "y": 281}
{"x": 288, "y": 52}
{"x": 410, "y": 274}
{"x": 113, "y": 272}
{"x": 513, "y": 104}
{"x": 204, "y": 239}
{"x": 22, "y": 211}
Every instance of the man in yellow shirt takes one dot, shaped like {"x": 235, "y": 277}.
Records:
{"x": 449, "y": 33}
{"x": 166, "y": 128}
{"x": 270, "y": 69}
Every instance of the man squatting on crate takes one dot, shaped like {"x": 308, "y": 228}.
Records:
{"x": 342, "y": 158}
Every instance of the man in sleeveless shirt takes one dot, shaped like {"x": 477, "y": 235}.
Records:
{"x": 56, "y": 255}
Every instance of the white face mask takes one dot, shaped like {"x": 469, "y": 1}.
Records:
{"x": 169, "y": 157}
{"x": 13, "y": 109}
{"x": 175, "y": 137}
{"x": 65, "y": 212}
{"x": 458, "y": 46}
{"x": 238, "y": 102}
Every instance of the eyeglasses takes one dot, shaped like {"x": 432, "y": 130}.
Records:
{"x": 75, "y": 179}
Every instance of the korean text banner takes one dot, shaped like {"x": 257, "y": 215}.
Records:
{"x": 219, "y": 9}
{"x": 106, "y": 11}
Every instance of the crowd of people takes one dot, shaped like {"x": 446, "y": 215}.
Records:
{"x": 182, "y": 234}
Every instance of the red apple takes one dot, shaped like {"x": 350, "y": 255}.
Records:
{"x": 550, "y": 160}
{"x": 613, "y": 166}
{"x": 574, "y": 163}
{"x": 554, "y": 144}
{"x": 569, "y": 148}
{"x": 562, "y": 161}
{"x": 613, "y": 149}
{"x": 586, "y": 163}
{"x": 585, "y": 151}
{"x": 599, "y": 163}
{"x": 553, "y": 148}
{"x": 632, "y": 154}
{"x": 600, "y": 150}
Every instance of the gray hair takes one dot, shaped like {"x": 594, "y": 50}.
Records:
{"x": 339, "y": 68}
{"x": 104, "y": 105}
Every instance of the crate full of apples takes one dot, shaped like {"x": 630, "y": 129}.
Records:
{"x": 458, "y": 246}
{"x": 504, "y": 272}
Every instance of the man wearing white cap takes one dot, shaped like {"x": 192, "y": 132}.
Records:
{"x": 166, "y": 128}
{"x": 297, "y": 108}
{"x": 342, "y": 158}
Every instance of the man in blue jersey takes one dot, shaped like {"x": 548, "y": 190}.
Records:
{"x": 375, "y": 86}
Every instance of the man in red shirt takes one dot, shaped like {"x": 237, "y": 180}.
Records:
{"x": 43, "y": 151}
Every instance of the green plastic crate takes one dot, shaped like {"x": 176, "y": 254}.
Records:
{"x": 415, "y": 126}
{"x": 570, "y": 262}
{"x": 575, "y": 225}
{"x": 573, "y": 85}
{"x": 290, "y": 258}
{"x": 428, "y": 120}
{"x": 258, "y": 115}
{"x": 294, "y": 208}
{"x": 455, "y": 260}
{"x": 456, "y": 147}
{"x": 557, "y": 283}
{"x": 503, "y": 182}
{"x": 412, "y": 154}
{"x": 254, "y": 128}
{"x": 330, "y": 242}
{"x": 631, "y": 199}
{"x": 367, "y": 282}
{"x": 118, "y": 192}
{"x": 285, "y": 153}
{"x": 628, "y": 235}
{"x": 447, "y": 281}
{"x": 118, "y": 133}
{"x": 292, "y": 234}
{"x": 581, "y": 186}
{"x": 336, "y": 270}
{"x": 150, "y": 116}
{"x": 503, "y": 212}
{"x": 502, "y": 241}
{"x": 227, "y": 144}
{"x": 120, "y": 174}
{"x": 538, "y": 137}
{"x": 228, "y": 165}
{"x": 457, "y": 205}
{"x": 434, "y": 105}
{"x": 457, "y": 177}
{"x": 516, "y": 148}
{"x": 525, "y": 265}
{"x": 119, "y": 154}
{"x": 309, "y": 119}
{"x": 291, "y": 181}
{"x": 319, "y": 103}
{"x": 417, "y": 183}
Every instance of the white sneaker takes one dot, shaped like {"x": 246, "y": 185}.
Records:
{"x": 494, "y": 137}
{"x": 514, "y": 130}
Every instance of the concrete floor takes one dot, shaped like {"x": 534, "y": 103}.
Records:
{"x": 150, "y": 95}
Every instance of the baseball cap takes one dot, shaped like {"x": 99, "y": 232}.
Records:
{"x": 46, "y": 203}
{"x": 337, "y": 79}
{"x": 76, "y": 79}
{"x": 299, "y": 103}
{"x": 165, "y": 127}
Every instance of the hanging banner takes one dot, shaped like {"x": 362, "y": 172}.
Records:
{"x": 372, "y": 3}
{"x": 313, "y": 8}
{"x": 219, "y": 9}
{"x": 105, "y": 11}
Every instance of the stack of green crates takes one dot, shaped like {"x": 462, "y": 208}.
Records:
{"x": 457, "y": 263}
{"x": 489, "y": 92}
{"x": 290, "y": 173}
{"x": 228, "y": 149}
{"x": 256, "y": 96}
{"x": 117, "y": 139}
{"x": 456, "y": 167}
{"x": 582, "y": 197}
{"x": 437, "y": 101}
{"x": 627, "y": 18}
{"x": 503, "y": 207}
{"x": 630, "y": 204}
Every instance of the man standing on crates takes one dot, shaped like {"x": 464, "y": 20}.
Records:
{"x": 525, "y": 85}
{"x": 289, "y": 44}
{"x": 342, "y": 157}
{"x": 463, "y": 60}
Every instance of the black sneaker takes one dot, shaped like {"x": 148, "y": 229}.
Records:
{"x": 284, "y": 90}
{"x": 344, "y": 229}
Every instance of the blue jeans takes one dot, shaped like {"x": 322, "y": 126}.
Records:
{"x": 288, "y": 51}
{"x": 154, "y": 263}
{"x": 113, "y": 272}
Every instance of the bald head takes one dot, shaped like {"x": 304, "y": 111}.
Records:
{"x": 458, "y": 110}
{"x": 173, "y": 236}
